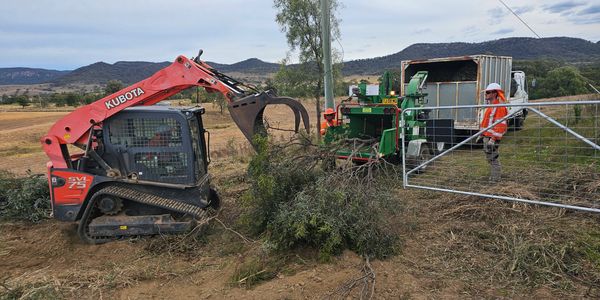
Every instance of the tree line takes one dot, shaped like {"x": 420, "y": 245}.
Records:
{"x": 545, "y": 79}
{"x": 61, "y": 99}
{"x": 553, "y": 78}
{"x": 79, "y": 98}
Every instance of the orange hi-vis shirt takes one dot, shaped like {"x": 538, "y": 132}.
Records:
{"x": 325, "y": 125}
{"x": 490, "y": 116}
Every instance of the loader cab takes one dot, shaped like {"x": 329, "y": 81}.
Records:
{"x": 157, "y": 144}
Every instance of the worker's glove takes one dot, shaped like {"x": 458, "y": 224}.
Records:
{"x": 491, "y": 143}
{"x": 478, "y": 139}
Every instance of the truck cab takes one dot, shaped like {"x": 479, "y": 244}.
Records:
{"x": 518, "y": 94}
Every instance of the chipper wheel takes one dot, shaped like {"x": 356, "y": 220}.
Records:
{"x": 424, "y": 155}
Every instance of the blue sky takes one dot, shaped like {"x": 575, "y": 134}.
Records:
{"x": 68, "y": 34}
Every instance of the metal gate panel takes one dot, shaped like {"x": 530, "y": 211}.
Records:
{"x": 554, "y": 160}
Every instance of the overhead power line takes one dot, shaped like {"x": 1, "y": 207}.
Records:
{"x": 514, "y": 13}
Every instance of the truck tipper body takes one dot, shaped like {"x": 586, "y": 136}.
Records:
{"x": 462, "y": 81}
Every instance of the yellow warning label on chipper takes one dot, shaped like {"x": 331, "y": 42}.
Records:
{"x": 366, "y": 109}
{"x": 123, "y": 227}
{"x": 390, "y": 101}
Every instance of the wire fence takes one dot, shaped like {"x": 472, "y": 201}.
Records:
{"x": 549, "y": 155}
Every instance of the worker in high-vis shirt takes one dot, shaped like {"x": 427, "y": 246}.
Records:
{"x": 330, "y": 121}
{"x": 491, "y": 137}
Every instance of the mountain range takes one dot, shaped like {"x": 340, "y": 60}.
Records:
{"x": 558, "y": 48}
{"x": 29, "y": 75}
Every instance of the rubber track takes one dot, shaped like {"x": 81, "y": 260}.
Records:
{"x": 170, "y": 204}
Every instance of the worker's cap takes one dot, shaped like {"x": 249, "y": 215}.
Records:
{"x": 329, "y": 111}
{"x": 493, "y": 87}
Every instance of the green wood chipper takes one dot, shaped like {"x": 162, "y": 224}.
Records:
{"x": 370, "y": 124}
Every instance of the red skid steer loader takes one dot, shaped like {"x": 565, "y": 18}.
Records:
{"x": 143, "y": 169}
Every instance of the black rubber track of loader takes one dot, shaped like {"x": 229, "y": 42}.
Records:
{"x": 200, "y": 214}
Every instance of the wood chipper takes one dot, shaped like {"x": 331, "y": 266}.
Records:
{"x": 370, "y": 122}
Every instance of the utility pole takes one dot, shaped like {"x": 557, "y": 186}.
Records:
{"x": 326, "y": 39}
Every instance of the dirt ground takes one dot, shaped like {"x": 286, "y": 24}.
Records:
{"x": 451, "y": 246}
{"x": 445, "y": 253}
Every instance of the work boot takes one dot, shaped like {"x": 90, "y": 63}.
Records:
{"x": 496, "y": 173}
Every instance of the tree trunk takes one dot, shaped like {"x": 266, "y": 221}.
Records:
{"x": 318, "y": 104}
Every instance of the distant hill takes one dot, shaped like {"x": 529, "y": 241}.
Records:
{"x": 28, "y": 75}
{"x": 99, "y": 73}
{"x": 561, "y": 48}
{"x": 132, "y": 72}
{"x": 252, "y": 66}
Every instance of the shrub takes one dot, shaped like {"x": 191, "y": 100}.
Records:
{"x": 24, "y": 198}
{"x": 275, "y": 179}
{"x": 294, "y": 203}
{"x": 335, "y": 213}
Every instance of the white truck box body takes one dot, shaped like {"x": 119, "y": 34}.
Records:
{"x": 462, "y": 81}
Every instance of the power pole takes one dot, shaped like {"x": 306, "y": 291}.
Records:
{"x": 326, "y": 39}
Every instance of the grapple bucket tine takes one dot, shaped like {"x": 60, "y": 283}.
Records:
{"x": 247, "y": 113}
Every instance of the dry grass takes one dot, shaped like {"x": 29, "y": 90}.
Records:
{"x": 91, "y": 283}
{"x": 20, "y": 133}
{"x": 501, "y": 249}
{"x": 452, "y": 246}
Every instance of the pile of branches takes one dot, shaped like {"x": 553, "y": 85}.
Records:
{"x": 298, "y": 197}
{"x": 24, "y": 198}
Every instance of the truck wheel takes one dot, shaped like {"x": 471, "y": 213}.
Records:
{"x": 520, "y": 120}
{"x": 424, "y": 155}
{"x": 518, "y": 125}
{"x": 214, "y": 199}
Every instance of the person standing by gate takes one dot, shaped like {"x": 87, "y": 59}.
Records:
{"x": 491, "y": 138}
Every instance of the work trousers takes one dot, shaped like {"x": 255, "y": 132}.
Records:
{"x": 492, "y": 154}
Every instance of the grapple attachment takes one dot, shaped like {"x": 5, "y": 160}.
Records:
{"x": 248, "y": 112}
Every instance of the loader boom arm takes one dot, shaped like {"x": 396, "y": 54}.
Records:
{"x": 182, "y": 74}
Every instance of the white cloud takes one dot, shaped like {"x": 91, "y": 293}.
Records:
{"x": 71, "y": 33}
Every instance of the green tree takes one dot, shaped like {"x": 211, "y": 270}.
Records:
{"x": 591, "y": 71}
{"x": 39, "y": 100}
{"x": 113, "y": 86}
{"x": 58, "y": 99}
{"x": 88, "y": 98}
{"x": 23, "y": 101}
{"x": 72, "y": 99}
{"x": 536, "y": 71}
{"x": 296, "y": 81}
{"x": 563, "y": 81}
{"x": 220, "y": 102}
{"x": 300, "y": 20}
